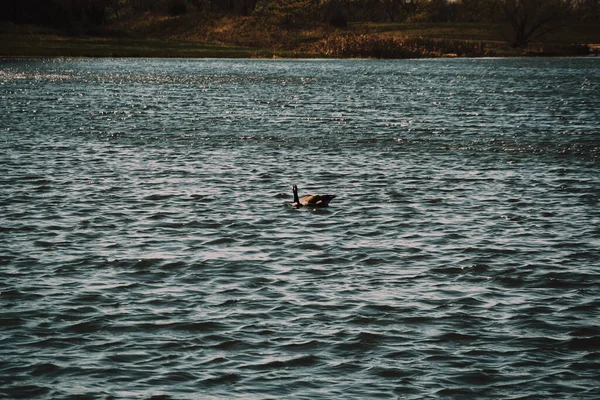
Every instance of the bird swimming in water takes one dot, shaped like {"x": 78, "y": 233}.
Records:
{"x": 311, "y": 200}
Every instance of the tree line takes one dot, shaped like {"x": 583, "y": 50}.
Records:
{"x": 528, "y": 19}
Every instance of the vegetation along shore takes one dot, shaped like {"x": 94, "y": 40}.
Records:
{"x": 299, "y": 28}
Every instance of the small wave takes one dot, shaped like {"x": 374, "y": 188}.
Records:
{"x": 157, "y": 197}
{"x": 45, "y": 244}
{"x": 146, "y": 229}
{"x": 21, "y": 228}
{"x": 208, "y": 326}
{"x": 310, "y": 345}
{"x": 585, "y": 343}
{"x": 220, "y": 241}
{"x": 297, "y": 362}
{"x": 87, "y": 327}
{"x": 224, "y": 379}
{"x": 457, "y": 392}
{"x": 585, "y": 366}
{"x": 27, "y": 391}
{"x": 393, "y": 373}
{"x": 10, "y": 322}
{"x": 46, "y": 369}
{"x": 231, "y": 345}
{"x": 456, "y": 337}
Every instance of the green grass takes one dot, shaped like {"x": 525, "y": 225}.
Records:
{"x": 457, "y": 31}
{"x": 16, "y": 45}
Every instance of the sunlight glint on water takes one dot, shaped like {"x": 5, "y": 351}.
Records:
{"x": 147, "y": 246}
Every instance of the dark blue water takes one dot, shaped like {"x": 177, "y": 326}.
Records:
{"x": 147, "y": 247}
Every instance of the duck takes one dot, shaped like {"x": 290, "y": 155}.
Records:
{"x": 311, "y": 200}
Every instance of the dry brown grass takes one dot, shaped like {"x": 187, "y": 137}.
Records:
{"x": 380, "y": 46}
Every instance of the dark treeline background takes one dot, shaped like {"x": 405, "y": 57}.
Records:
{"x": 528, "y": 19}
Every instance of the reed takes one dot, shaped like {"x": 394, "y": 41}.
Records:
{"x": 379, "y": 46}
{"x": 568, "y": 50}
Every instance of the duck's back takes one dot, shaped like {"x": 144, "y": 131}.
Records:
{"x": 317, "y": 200}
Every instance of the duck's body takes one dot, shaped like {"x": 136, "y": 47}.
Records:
{"x": 311, "y": 200}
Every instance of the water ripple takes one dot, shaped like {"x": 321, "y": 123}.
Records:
{"x": 148, "y": 249}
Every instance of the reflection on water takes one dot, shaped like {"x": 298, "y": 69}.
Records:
{"x": 148, "y": 248}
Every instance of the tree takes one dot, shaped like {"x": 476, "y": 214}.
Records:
{"x": 531, "y": 19}
{"x": 443, "y": 10}
{"x": 477, "y": 10}
{"x": 588, "y": 10}
{"x": 401, "y": 9}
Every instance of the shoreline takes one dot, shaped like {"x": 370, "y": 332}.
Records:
{"x": 351, "y": 46}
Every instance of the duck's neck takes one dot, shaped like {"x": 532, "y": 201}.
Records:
{"x": 296, "y": 199}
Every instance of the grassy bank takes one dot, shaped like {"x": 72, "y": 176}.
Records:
{"x": 193, "y": 35}
{"x": 57, "y": 46}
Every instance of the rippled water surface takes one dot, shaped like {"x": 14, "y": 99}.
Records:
{"x": 147, "y": 245}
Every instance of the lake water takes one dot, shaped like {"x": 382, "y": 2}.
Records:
{"x": 148, "y": 249}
